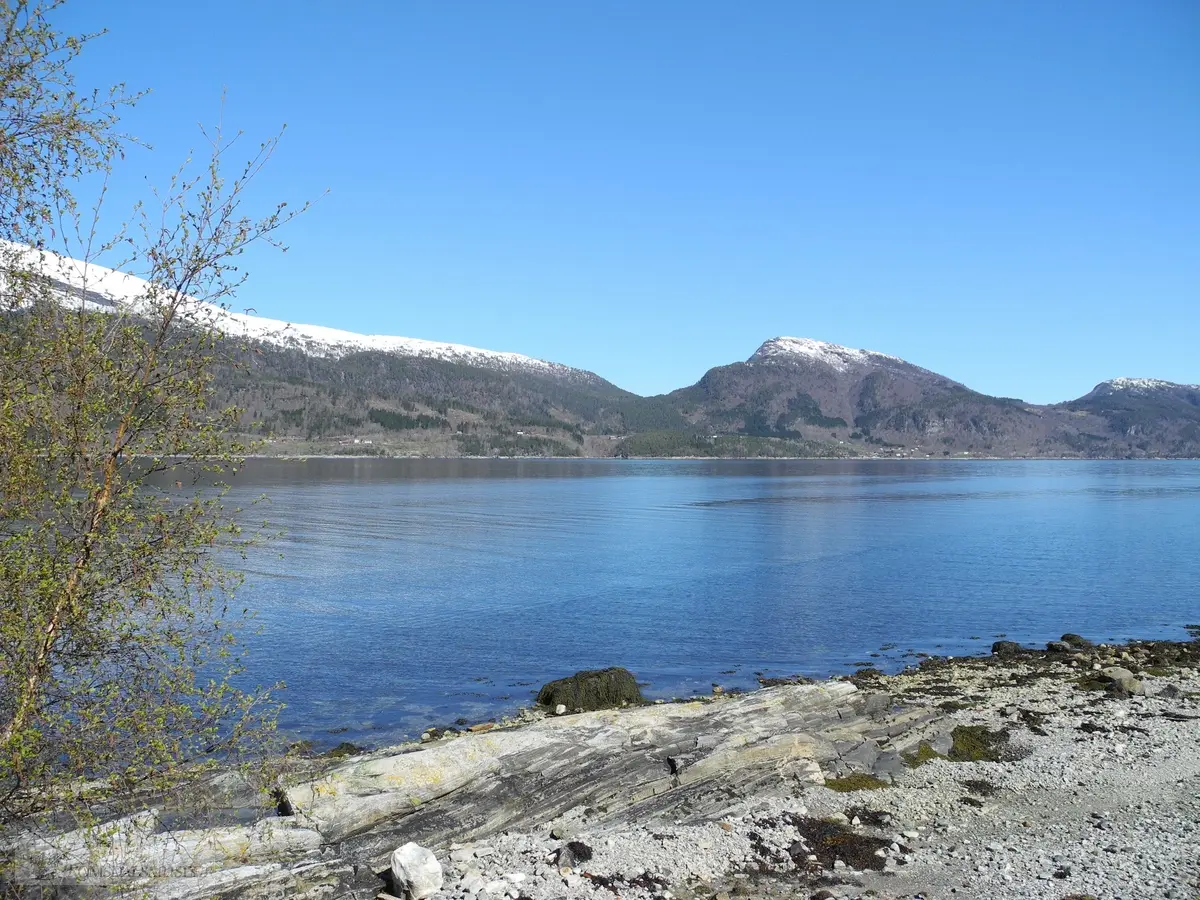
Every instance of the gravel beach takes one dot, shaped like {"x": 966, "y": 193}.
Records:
{"x": 1058, "y": 774}
{"x": 1095, "y": 793}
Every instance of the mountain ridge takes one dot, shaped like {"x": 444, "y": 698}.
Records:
{"x": 315, "y": 387}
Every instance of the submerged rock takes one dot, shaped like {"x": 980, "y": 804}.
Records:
{"x": 592, "y": 690}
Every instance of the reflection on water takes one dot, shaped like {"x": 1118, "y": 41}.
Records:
{"x": 411, "y": 593}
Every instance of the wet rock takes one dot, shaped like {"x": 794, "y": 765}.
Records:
{"x": 416, "y": 872}
{"x": 1058, "y": 647}
{"x": 345, "y": 749}
{"x": 1079, "y": 643}
{"x": 592, "y": 690}
{"x": 1006, "y": 648}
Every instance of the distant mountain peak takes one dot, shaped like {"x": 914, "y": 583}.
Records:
{"x": 833, "y": 355}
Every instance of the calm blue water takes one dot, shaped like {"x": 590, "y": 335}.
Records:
{"x": 412, "y": 593}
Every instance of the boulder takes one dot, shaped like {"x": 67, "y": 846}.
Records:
{"x": 1006, "y": 648}
{"x": 1079, "y": 643}
{"x": 1058, "y": 647}
{"x": 592, "y": 690}
{"x": 1121, "y": 681}
{"x": 416, "y": 872}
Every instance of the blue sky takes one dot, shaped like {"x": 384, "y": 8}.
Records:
{"x": 1004, "y": 192}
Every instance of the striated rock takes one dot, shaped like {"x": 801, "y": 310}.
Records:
{"x": 655, "y": 762}
{"x": 131, "y": 847}
{"x": 671, "y": 763}
{"x": 416, "y": 872}
{"x": 307, "y": 880}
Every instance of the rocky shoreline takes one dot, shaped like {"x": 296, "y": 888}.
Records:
{"x": 1066, "y": 773}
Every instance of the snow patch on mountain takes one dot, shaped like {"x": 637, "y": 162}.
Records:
{"x": 100, "y": 289}
{"x": 1142, "y": 385}
{"x": 843, "y": 359}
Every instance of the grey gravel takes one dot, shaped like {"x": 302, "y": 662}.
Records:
{"x": 1111, "y": 812}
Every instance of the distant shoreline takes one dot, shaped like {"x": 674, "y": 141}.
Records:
{"x": 922, "y": 459}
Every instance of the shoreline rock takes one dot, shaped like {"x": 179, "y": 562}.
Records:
{"x": 1004, "y": 776}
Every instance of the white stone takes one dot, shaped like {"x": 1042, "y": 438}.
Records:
{"x": 416, "y": 872}
{"x": 560, "y": 710}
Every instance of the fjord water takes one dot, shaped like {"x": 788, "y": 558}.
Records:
{"x": 405, "y": 594}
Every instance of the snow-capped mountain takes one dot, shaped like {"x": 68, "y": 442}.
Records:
{"x": 102, "y": 289}
{"x": 836, "y": 358}
{"x": 833, "y": 355}
{"x": 1140, "y": 386}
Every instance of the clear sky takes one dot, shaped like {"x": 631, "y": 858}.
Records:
{"x": 1005, "y": 192}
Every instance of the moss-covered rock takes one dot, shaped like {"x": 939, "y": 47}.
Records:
{"x": 923, "y": 754}
{"x": 855, "y": 781}
{"x": 593, "y": 689}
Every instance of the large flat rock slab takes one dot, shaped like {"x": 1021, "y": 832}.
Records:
{"x": 665, "y": 761}
{"x": 679, "y": 762}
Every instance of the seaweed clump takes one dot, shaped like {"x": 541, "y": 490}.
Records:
{"x": 829, "y": 841}
{"x": 975, "y": 743}
{"x": 980, "y": 786}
